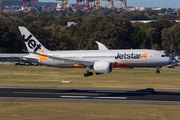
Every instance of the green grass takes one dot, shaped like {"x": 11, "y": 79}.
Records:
{"x": 125, "y": 79}
{"x": 86, "y": 111}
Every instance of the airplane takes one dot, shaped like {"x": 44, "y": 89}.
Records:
{"x": 175, "y": 62}
{"x": 101, "y": 61}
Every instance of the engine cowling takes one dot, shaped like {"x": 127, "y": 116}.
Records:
{"x": 103, "y": 67}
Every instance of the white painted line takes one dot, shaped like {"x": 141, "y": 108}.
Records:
{"x": 93, "y": 97}
{"x": 74, "y": 96}
{"x": 65, "y": 81}
{"x": 111, "y": 97}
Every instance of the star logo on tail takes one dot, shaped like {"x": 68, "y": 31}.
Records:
{"x": 42, "y": 57}
{"x": 144, "y": 55}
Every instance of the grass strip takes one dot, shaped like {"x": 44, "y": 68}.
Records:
{"x": 86, "y": 111}
{"x": 121, "y": 79}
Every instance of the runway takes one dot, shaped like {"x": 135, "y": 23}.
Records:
{"x": 144, "y": 96}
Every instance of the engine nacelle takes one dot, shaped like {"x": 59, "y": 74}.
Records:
{"x": 103, "y": 67}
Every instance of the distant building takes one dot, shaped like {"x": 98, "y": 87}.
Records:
{"x": 70, "y": 23}
{"x": 143, "y": 8}
{"x": 154, "y": 8}
{"x": 169, "y": 9}
{"x": 132, "y": 8}
{"x": 166, "y": 13}
{"x": 178, "y": 8}
{"x": 143, "y": 21}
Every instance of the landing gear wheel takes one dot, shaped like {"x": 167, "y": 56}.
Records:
{"x": 157, "y": 71}
{"x": 85, "y": 74}
{"x": 88, "y": 74}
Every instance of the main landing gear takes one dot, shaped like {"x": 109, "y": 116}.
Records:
{"x": 158, "y": 71}
{"x": 88, "y": 73}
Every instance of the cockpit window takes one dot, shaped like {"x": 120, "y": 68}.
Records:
{"x": 166, "y": 54}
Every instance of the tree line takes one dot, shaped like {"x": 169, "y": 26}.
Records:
{"x": 111, "y": 28}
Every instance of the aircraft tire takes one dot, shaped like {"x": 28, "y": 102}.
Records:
{"x": 88, "y": 74}
{"x": 85, "y": 74}
{"x": 157, "y": 71}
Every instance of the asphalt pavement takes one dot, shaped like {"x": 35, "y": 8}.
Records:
{"x": 118, "y": 96}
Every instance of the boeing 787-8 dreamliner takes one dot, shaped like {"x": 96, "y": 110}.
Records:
{"x": 101, "y": 61}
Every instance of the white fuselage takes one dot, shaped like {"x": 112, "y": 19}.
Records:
{"x": 125, "y": 58}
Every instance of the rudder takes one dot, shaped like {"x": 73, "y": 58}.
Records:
{"x": 32, "y": 44}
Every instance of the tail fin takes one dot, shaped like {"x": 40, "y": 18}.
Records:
{"x": 32, "y": 44}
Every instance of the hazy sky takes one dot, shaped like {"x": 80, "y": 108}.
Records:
{"x": 139, "y": 3}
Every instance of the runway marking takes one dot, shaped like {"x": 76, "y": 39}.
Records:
{"x": 93, "y": 97}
